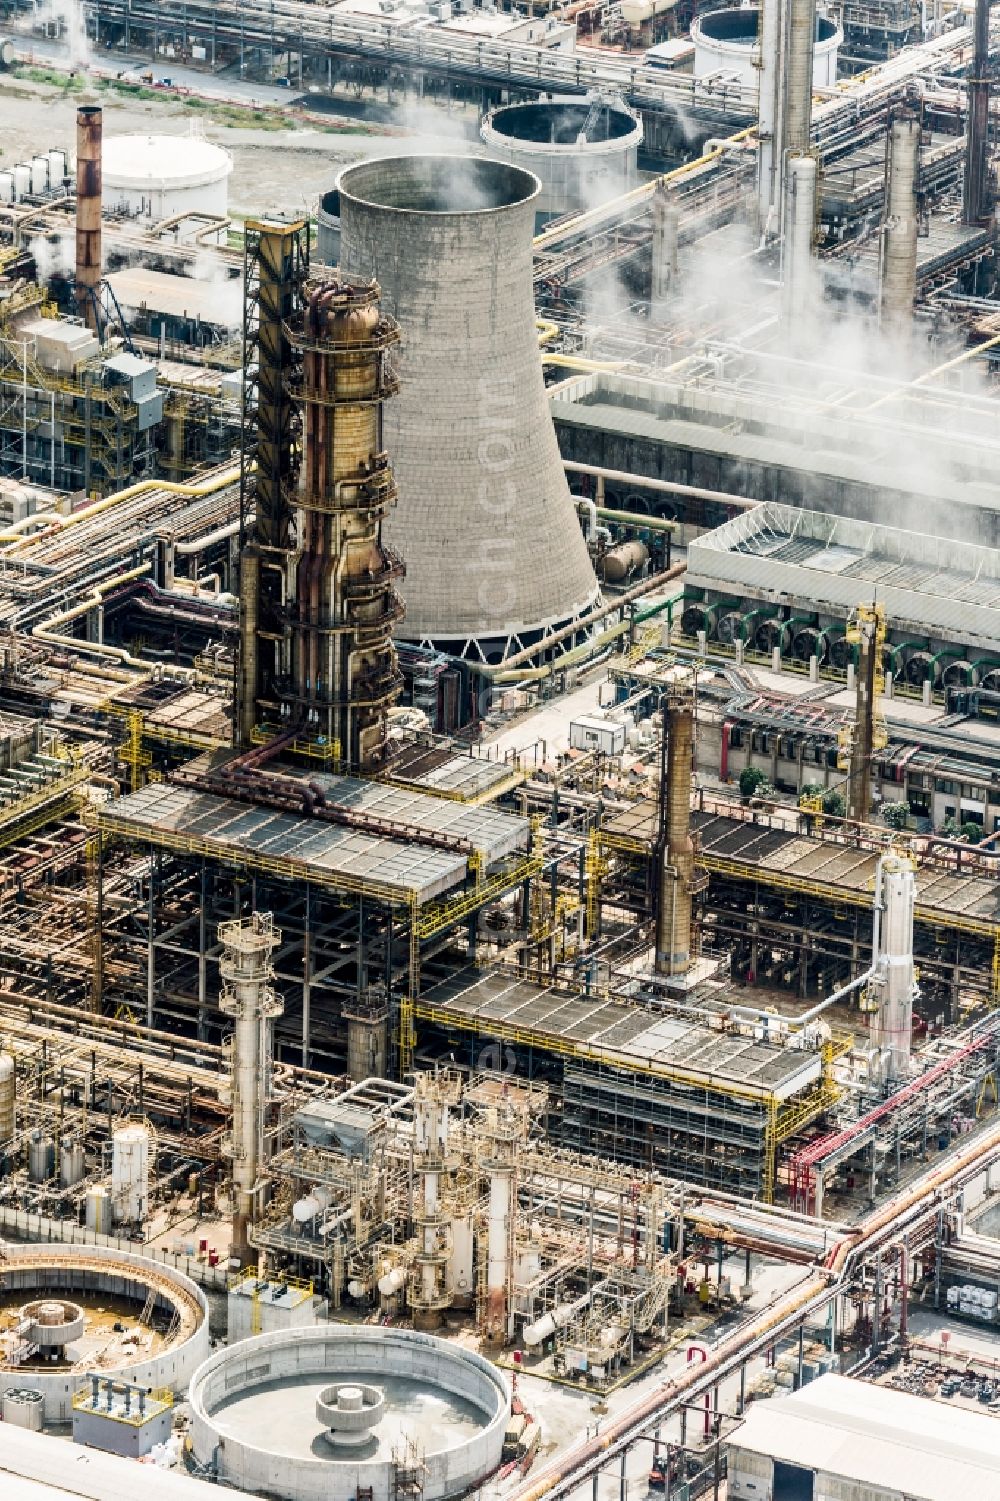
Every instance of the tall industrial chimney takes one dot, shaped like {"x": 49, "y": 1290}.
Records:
{"x": 494, "y": 553}
{"x": 975, "y": 198}
{"x": 798, "y": 277}
{"x": 88, "y": 211}
{"x": 799, "y": 74}
{"x": 676, "y": 849}
{"x": 899, "y": 259}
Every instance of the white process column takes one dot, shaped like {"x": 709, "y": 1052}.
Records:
{"x": 892, "y": 1023}
{"x": 248, "y": 998}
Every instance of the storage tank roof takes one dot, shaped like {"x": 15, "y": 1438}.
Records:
{"x": 179, "y": 161}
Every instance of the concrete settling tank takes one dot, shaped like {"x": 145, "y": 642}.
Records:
{"x": 727, "y": 41}
{"x": 583, "y": 152}
{"x": 322, "y": 1414}
{"x": 485, "y": 522}
{"x": 67, "y": 1309}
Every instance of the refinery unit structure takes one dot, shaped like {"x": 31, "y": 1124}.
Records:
{"x": 448, "y": 885}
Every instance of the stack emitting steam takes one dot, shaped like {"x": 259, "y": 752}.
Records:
{"x": 494, "y": 554}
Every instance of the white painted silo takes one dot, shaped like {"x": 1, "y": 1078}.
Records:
{"x": 98, "y": 1210}
{"x": 155, "y": 177}
{"x": 726, "y": 42}
{"x": 130, "y": 1153}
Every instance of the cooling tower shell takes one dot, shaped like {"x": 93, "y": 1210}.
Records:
{"x": 485, "y": 522}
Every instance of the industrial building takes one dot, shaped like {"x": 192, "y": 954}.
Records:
{"x": 840, "y": 1435}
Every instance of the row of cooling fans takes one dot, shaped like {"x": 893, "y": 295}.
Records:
{"x": 801, "y": 637}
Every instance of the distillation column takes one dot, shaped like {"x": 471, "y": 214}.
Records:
{"x": 248, "y": 998}
{"x": 89, "y": 131}
{"x": 275, "y": 271}
{"x": 867, "y": 631}
{"x": 770, "y": 106}
{"x": 503, "y": 1131}
{"x": 975, "y": 198}
{"x": 899, "y": 264}
{"x": 893, "y": 984}
{"x": 337, "y": 673}
{"x": 427, "y": 1292}
{"x": 787, "y": 31}
{"x": 676, "y": 875}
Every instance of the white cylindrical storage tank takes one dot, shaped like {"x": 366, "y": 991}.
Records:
{"x": 57, "y": 168}
{"x": 6, "y": 187}
{"x": 154, "y": 177}
{"x": 98, "y": 1210}
{"x": 22, "y": 181}
{"x": 40, "y": 173}
{"x": 726, "y": 41}
{"x": 8, "y": 1092}
{"x": 24, "y": 1408}
{"x": 130, "y": 1174}
{"x": 6, "y": 52}
{"x": 582, "y": 152}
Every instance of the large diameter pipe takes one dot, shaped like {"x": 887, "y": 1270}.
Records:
{"x": 88, "y": 211}
{"x": 661, "y": 486}
{"x": 899, "y": 265}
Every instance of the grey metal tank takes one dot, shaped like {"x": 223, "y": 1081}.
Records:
{"x": 485, "y": 522}
{"x": 584, "y": 151}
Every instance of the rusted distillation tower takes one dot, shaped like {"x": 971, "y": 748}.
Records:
{"x": 317, "y": 588}
{"x": 675, "y": 852}
{"x": 89, "y": 133}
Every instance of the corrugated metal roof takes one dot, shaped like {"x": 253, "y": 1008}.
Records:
{"x": 40, "y": 1467}
{"x": 890, "y": 1440}
{"x": 625, "y": 1034}
{"x": 327, "y": 853}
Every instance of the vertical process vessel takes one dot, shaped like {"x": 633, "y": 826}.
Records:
{"x": 494, "y": 554}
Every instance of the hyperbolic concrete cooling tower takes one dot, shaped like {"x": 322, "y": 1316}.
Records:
{"x": 485, "y": 522}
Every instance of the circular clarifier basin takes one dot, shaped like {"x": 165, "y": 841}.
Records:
{"x": 321, "y": 1413}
